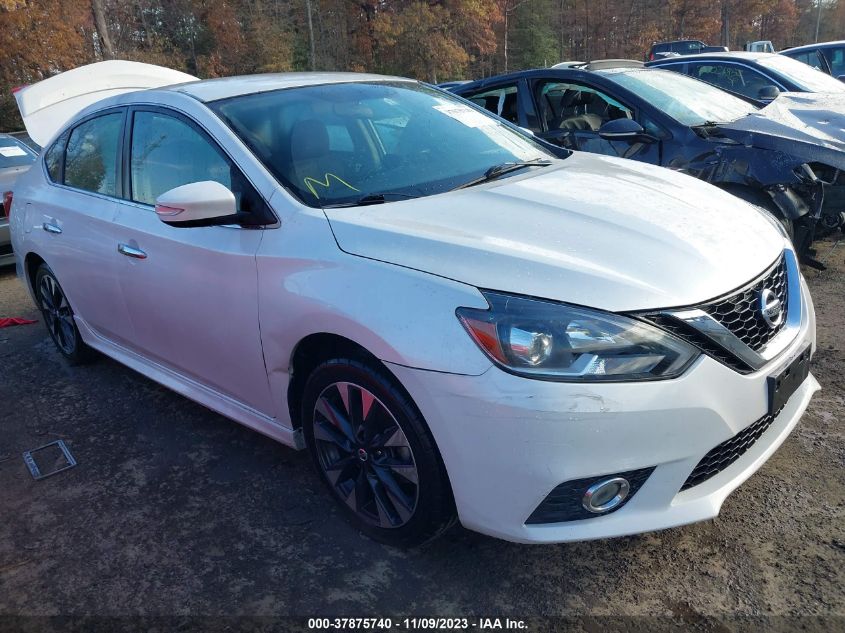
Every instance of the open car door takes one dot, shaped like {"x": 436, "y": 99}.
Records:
{"x": 47, "y": 105}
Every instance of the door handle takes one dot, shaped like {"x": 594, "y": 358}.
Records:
{"x": 51, "y": 228}
{"x": 125, "y": 249}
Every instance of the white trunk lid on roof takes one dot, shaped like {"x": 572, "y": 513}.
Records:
{"x": 48, "y": 105}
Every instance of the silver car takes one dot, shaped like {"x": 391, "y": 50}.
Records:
{"x": 15, "y": 158}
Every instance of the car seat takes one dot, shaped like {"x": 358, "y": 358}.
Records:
{"x": 310, "y": 156}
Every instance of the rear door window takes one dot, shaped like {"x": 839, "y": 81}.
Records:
{"x": 811, "y": 58}
{"x": 91, "y": 159}
{"x": 502, "y": 100}
{"x": 836, "y": 59}
{"x": 686, "y": 48}
{"x": 732, "y": 77}
{"x": 54, "y": 158}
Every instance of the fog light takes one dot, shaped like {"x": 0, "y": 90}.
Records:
{"x": 605, "y": 495}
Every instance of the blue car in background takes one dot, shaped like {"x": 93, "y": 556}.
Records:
{"x": 760, "y": 76}
{"x": 828, "y": 57}
{"x": 666, "y": 119}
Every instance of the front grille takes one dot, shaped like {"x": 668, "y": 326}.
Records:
{"x": 564, "y": 502}
{"x": 692, "y": 336}
{"x": 728, "y": 452}
{"x": 741, "y": 312}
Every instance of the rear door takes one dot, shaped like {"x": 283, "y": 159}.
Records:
{"x": 73, "y": 221}
{"x": 191, "y": 292}
{"x": 510, "y": 100}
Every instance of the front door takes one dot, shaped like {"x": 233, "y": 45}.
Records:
{"x": 191, "y": 292}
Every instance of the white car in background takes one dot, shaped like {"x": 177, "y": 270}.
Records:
{"x": 454, "y": 321}
{"x": 16, "y": 157}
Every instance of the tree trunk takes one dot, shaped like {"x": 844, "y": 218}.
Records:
{"x": 505, "y": 47}
{"x": 312, "y": 51}
{"x": 102, "y": 28}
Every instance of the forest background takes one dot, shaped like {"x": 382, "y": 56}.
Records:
{"x": 431, "y": 40}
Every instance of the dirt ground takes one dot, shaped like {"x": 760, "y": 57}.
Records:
{"x": 173, "y": 510}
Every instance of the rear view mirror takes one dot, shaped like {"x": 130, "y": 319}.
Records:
{"x": 768, "y": 93}
{"x": 625, "y": 130}
{"x": 205, "y": 203}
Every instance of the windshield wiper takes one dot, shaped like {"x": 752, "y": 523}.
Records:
{"x": 504, "y": 168}
{"x": 370, "y": 198}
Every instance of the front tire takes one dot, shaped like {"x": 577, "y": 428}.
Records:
{"x": 373, "y": 450}
{"x": 58, "y": 317}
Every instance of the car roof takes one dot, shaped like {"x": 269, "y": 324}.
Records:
{"x": 565, "y": 73}
{"x": 744, "y": 55}
{"x": 812, "y": 47}
{"x": 226, "y": 87}
{"x": 674, "y": 42}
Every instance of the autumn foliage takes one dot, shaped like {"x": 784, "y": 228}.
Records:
{"x": 433, "y": 40}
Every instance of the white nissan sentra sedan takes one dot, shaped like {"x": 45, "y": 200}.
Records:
{"x": 456, "y": 323}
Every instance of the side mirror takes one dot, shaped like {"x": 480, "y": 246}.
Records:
{"x": 768, "y": 93}
{"x": 205, "y": 203}
{"x": 625, "y": 130}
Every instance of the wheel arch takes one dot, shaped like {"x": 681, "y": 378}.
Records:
{"x": 318, "y": 347}
{"x": 31, "y": 262}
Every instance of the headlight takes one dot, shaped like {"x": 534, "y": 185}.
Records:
{"x": 555, "y": 341}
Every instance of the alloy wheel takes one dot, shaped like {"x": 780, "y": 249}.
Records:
{"x": 58, "y": 315}
{"x": 365, "y": 455}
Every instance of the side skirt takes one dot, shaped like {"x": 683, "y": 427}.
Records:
{"x": 193, "y": 390}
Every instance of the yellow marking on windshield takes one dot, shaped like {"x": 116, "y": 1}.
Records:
{"x": 310, "y": 182}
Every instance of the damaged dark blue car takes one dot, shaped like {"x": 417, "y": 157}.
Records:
{"x": 785, "y": 157}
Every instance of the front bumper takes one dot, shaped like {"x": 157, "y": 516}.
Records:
{"x": 508, "y": 441}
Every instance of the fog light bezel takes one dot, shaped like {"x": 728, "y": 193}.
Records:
{"x": 614, "y": 502}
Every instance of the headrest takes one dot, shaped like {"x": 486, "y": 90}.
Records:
{"x": 308, "y": 139}
{"x": 570, "y": 96}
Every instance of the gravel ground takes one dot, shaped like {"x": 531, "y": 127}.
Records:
{"x": 173, "y": 510}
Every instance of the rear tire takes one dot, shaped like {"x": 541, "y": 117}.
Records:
{"x": 58, "y": 317}
{"x": 373, "y": 450}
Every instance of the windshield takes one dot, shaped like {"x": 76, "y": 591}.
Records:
{"x": 340, "y": 143}
{"x": 805, "y": 77}
{"x": 13, "y": 153}
{"x": 687, "y": 100}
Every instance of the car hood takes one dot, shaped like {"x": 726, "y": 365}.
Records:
{"x": 608, "y": 233}
{"x": 807, "y": 125}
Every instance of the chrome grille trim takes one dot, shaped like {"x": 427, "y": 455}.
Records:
{"x": 708, "y": 326}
